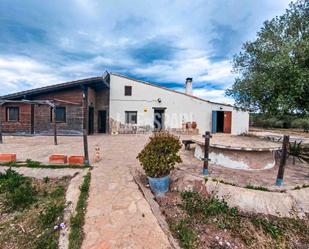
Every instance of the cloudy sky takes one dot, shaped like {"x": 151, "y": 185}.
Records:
{"x": 163, "y": 42}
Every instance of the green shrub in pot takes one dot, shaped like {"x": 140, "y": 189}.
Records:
{"x": 160, "y": 155}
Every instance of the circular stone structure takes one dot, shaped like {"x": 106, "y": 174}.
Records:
{"x": 238, "y": 152}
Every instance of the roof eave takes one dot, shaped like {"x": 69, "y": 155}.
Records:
{"x": 66, "y": 85}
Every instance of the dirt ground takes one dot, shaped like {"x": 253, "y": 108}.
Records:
{"x": 200, "y": 223}
{"x": 295, "y": 134}
{"x": 110, "y": 222}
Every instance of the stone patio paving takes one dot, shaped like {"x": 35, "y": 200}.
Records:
{"x": 118, "y": 216}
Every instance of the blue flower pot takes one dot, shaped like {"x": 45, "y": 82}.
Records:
{"x": 159, "y": 185}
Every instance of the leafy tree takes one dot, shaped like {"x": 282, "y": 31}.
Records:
{"x": 273, "y": 71}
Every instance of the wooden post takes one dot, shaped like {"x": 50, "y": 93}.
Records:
{"x": 206, "y": 159}
{"x": 284, "y": 152}
{"x": 85, "y": 120}
{"x": 55, "y": 127}
{"x": 1, "y": 138}
{"x": 32, "y": 119}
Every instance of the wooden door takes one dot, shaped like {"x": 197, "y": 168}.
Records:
{"x": 227, "y": 122}
{"x": 102, "y": 120}
{"x": 91, "y": 121}
{"x": 214, "y": 122}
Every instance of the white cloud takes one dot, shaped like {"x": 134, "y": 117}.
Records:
{"x": 213, "y": 95}
{"x": 220, "y": 72}
{"x": 22, "y": 69}
{"x": 178, "y": 70}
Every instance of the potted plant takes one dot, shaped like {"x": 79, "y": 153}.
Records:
{"x": 158, "y": 159}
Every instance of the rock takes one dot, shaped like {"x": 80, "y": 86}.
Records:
{"x": 188, "y": 182}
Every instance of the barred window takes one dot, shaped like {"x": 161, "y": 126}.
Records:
{"x": 131, "y": 117}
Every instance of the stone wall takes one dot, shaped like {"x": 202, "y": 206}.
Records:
{"x": 43, "y": 122}
{"x": 71, "y": 99}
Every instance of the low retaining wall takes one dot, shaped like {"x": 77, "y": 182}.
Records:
{"x": 288, "y": 204}
{"x": 291, "y": 203}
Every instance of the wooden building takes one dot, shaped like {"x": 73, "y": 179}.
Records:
{"x": 79, "y": 104}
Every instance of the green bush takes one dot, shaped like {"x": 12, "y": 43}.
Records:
{"x": 266, "y": 122}
{"x": 283, "y": 121}
{"x": 47, "y": 241}
{"x": 32, "y": 164}
{"x": 185, "y": 234}
{"x": 194, "y": 203}
{"x": 160, "y": 155}
{"x": 18, "y": 190}
{"x": 58, "y": 192}
{"x": 275, "y": 123}
{"x": 21, "y": 197}
{"x": 50, "y": 214}
{"x": 46, "y": 179}
{"x": 10, "y": 180}
{"x": 268, "y": 227}
{"x": 301, "y": 123}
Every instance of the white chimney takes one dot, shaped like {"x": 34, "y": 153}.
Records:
{"x": 189, "y": 86}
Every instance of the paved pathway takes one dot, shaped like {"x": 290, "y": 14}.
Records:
{"x": 117, "y": 215}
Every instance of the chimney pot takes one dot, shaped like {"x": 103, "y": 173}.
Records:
{"x": 188, "y": 86}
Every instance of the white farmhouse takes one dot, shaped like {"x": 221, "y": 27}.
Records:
{"x": 144, "y": 106}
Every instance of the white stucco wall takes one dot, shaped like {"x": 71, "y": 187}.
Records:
{"x": 179, "y": 107}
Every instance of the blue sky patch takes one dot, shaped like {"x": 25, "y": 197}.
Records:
{"x": 153, "y": 50}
